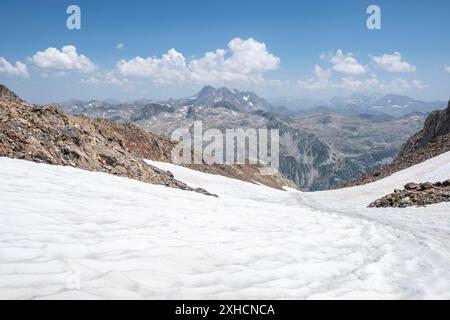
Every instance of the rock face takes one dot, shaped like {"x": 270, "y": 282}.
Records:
{"x": 48, "y": 135}
{"x": 415, "y": 194}
{"x": 8, "y": 95}
{"x": 431, "y": 141}
{"x": 437, "y": 124}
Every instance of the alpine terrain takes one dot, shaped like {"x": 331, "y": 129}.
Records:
{"x": 93, "y": 209}
{"x": 313, "y": 152}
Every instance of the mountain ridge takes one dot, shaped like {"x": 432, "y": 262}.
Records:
{"x": 318, "y": 151}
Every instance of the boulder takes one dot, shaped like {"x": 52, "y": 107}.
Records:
{"x": 412, "y": 186}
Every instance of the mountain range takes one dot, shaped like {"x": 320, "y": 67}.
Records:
{"x": 320, "y": 149}
{"x": 390, "y": 105}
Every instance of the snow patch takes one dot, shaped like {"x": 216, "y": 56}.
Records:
{"x": 69, "y": 233}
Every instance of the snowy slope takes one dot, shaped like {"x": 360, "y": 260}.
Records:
{"x": 68, "y": 233}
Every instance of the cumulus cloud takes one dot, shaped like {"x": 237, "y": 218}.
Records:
{"x": 248, "y": 60}
{"x": 170, "y": 68}
{"x": 243, "y": 60}
{"x": 321, "y": 80}
{"x": 313, "y": 83}
{"x": 90, "y": 80}
{"x": 447, "y": 69}
{"x": 350, "y": 83}
{"x": 393, "y": 63}
{"x": 19, "y": 69}
{"x": 106, "y": 79}
{"x": 355, "y": 78}
{"x": 322, "y": 73}
{"x": 66, "y": 59}
{"x": 345, "y": 63}
{"x": 398, "y": 85}
{"x": 120, "y": 46}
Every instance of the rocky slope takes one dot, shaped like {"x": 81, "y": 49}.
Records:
{"x": 49, "y": 135}
{"x": 436, "y": 125}
{"x": 432, "y": 140}
{"x": 8, "y": 95}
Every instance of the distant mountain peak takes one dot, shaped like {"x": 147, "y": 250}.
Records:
{"x": 246, "y": 101}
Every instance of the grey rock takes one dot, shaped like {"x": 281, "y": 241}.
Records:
{"x": 412, "y": 186}
{"x": 415, "y": 194}
{"x": 426, "y": 186}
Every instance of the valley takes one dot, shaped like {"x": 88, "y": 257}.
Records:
{"x": 318, "y": 150}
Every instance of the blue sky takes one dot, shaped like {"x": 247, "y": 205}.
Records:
{"x": 276, "y": 48}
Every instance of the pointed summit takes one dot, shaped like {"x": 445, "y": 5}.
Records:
{"x": 245, "y": 101}
{"x": 206, "y": 90}
{"x": 6, "y": 94}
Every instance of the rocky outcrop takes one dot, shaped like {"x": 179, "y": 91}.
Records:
{"x": 415, "y": 194}
{"x": 8, "y": 95}
{"x": 437, "y": 124}
{"x": 47, "y": 134}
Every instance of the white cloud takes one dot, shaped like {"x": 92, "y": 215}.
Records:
{"x": 243, "y": 60}
{"x": 65, "y": 59}
{"x": 349, "y": 83}
{"x": 321, "y": 80}
{"x": 393, "y": 63}
{"x": 419, "y": 84}
{"x": 345, "y": 63}
{"x": 314, "y": 83}
{"x": 106, "y": 79}
{"x": 90, "y": 80}
{"x": 20, "y": 69}
{"x": 247, "y": 61}
{"x": 402, "y": 85}
{"x": 447, "y": 69}
{"x": 322, "y": 73}
{"x": 170, "y": 68}
{"x": 120, "y": 46}
{"x": 398, "y": 85}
